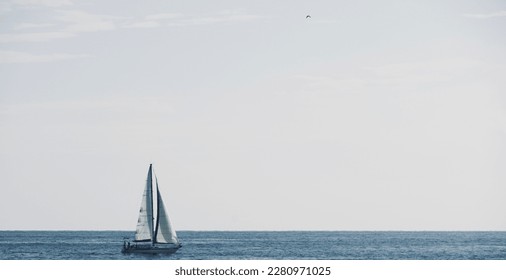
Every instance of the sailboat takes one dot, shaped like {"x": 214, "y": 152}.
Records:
{"x": 154, "y": 233}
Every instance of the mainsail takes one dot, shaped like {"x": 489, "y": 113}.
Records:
{"x": 144, "y": 230}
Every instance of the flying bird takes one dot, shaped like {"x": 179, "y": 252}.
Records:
{"x": 308, "y": 16}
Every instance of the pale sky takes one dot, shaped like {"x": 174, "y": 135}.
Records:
{"x": 370, "y": 115}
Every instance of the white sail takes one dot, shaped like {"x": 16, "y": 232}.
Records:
{"x": 165, "y": 233}
{"x": 144, "y": 230}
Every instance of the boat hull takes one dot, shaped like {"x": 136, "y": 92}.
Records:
{"x": 150, "y": 249}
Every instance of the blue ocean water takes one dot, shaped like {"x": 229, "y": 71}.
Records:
{"x": 280, "y": 245}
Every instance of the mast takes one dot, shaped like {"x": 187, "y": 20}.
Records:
{"x": 153, "y": 236}
{"x": 157, "y": 211}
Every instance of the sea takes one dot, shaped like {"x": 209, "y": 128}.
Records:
{"x": 262, "y": 245}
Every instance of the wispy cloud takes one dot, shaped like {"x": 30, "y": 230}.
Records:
{"x": 225, "y": 17}
{"x": 33, "y": 26}
{"x": 5, "y": 7}
{"x": 180, "y": 20}
{"x": 22, "y": 57}
{"x": 33, "y": 36}
{"x": 406, "y": 75}
{"x": 74, "y": 21}
{"x": 142, "y": 24}
{"x": 48, "y": 3}
{"x": 164, "y": 16}
{"x": 10, "y": 5}
{"x": 151, "y": 21}
{"x": 70, "y": 23}
{"x": 486, "y": 16}
{"x": 80, "y": 21}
